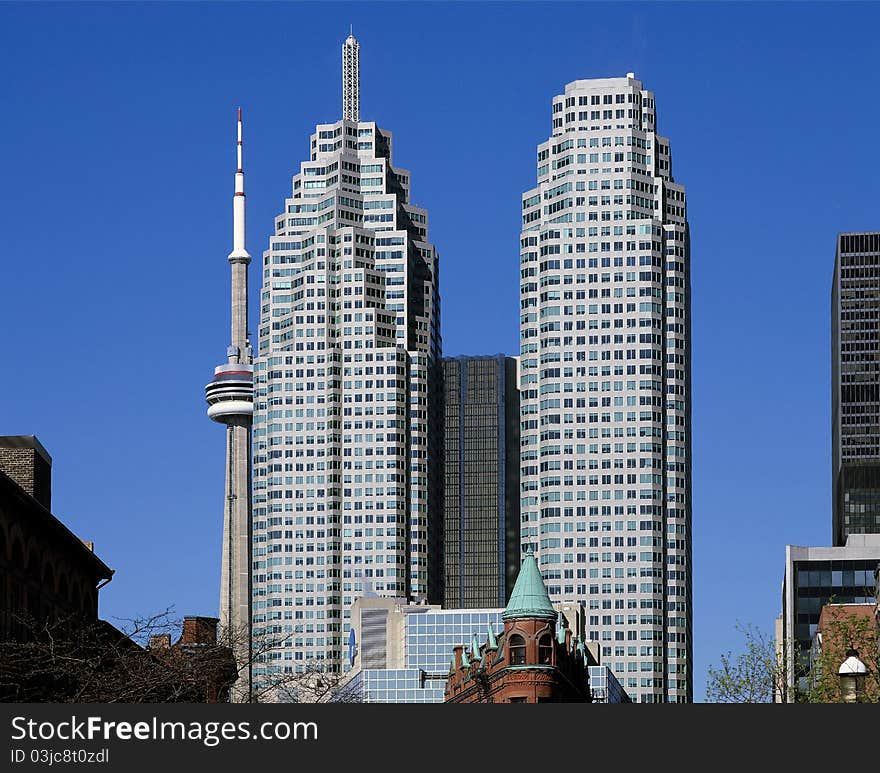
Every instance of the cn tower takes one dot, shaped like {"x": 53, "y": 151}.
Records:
{"x": 230, "y": 397}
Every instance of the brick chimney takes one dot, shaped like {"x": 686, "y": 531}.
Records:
{"x": 199, "y": 630}
{"x": 23, "y": 458}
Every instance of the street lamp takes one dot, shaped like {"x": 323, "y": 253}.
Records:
{"x": 852, "y": 674}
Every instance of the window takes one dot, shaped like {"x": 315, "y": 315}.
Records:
{"x": 518, "y": 699}
{"x": 517, "y": 650}
{"x": 545, "y": 649}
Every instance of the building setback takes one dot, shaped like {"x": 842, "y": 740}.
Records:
{"x": 481, "y": 537}
{"x": 347, "y": 495}
{"x": 605, "y": 381}
{"x": 855, "y": 385}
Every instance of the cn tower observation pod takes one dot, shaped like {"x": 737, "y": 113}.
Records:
{"x": 231, "y": 394}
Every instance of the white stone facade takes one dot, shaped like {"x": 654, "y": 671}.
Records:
{"x": 605, "y": 382}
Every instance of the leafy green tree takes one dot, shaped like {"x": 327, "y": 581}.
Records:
{"x": 754, "y": 675}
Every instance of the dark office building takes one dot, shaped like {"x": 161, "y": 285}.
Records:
{"x": 482, "y": 480}
{"x": 855, "y": 385}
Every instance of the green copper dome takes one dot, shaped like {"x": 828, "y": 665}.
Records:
{"x": 529, "y": 597}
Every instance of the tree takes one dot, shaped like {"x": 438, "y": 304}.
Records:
{"x": 755, "y": 675}
{"x": 71, "y": 660}
{"x": 273, "y": 680}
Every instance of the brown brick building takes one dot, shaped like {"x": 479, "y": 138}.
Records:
{"x": 206, "y": 668}
{"x": 46, "y": 572}
{"x": 536, "y": 659}
{"x": 845, "y": 629}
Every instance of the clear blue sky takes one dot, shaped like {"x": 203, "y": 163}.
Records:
{"x": 117, "y": 143}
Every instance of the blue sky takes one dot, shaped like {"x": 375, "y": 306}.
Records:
{"x": 118, "y": 154}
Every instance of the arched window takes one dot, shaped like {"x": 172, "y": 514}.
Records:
{"x": 545, "y": 649}
{"x": 517, "y": 649}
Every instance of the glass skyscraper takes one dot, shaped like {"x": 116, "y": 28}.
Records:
{"x": 481, "y": 536}
{"x": 347, "y": 418}
{"x": 855, "y": 385}
{"x": 605, "y": 381}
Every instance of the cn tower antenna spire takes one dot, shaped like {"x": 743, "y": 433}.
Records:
{"x": 351, "y": 79}
{"x": 239, "y": 140}
{"x": 239, "y": 253}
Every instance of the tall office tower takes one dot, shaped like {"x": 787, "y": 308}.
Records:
{"x": 605, "y": 382}
{"x": 855, "y": 385}
{"x": 481, "y": 537}
{"x": 230, "y": 400}
{"x": 348, "y": 419}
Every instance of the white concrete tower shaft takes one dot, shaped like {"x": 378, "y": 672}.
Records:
{"x": 230, "y": 400}
{"x": 351, "y": 95}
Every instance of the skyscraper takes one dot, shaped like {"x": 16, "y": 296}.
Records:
{"x": 230, "y": 400}
{"x": 481, "y": 537}
{"x": 855, "y": 385}
{"x": 348, "y": 419}
{"x": 605, "y": 381}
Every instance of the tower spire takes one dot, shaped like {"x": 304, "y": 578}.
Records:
{"x": 239, "y": 253}
{"x": 239, "y": 142}
{"x": 351, "y": 79}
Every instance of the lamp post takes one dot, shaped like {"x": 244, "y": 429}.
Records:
{"x": 852, "y": 673}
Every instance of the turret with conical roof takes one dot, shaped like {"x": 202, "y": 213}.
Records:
{"x": 530, "y": 662}
{"x": 529, "y": 598}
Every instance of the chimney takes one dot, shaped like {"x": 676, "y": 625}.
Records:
{"x": 159, "y": 642}
{"x": 23, "y": 458}
{"x": 199, "y": 630}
